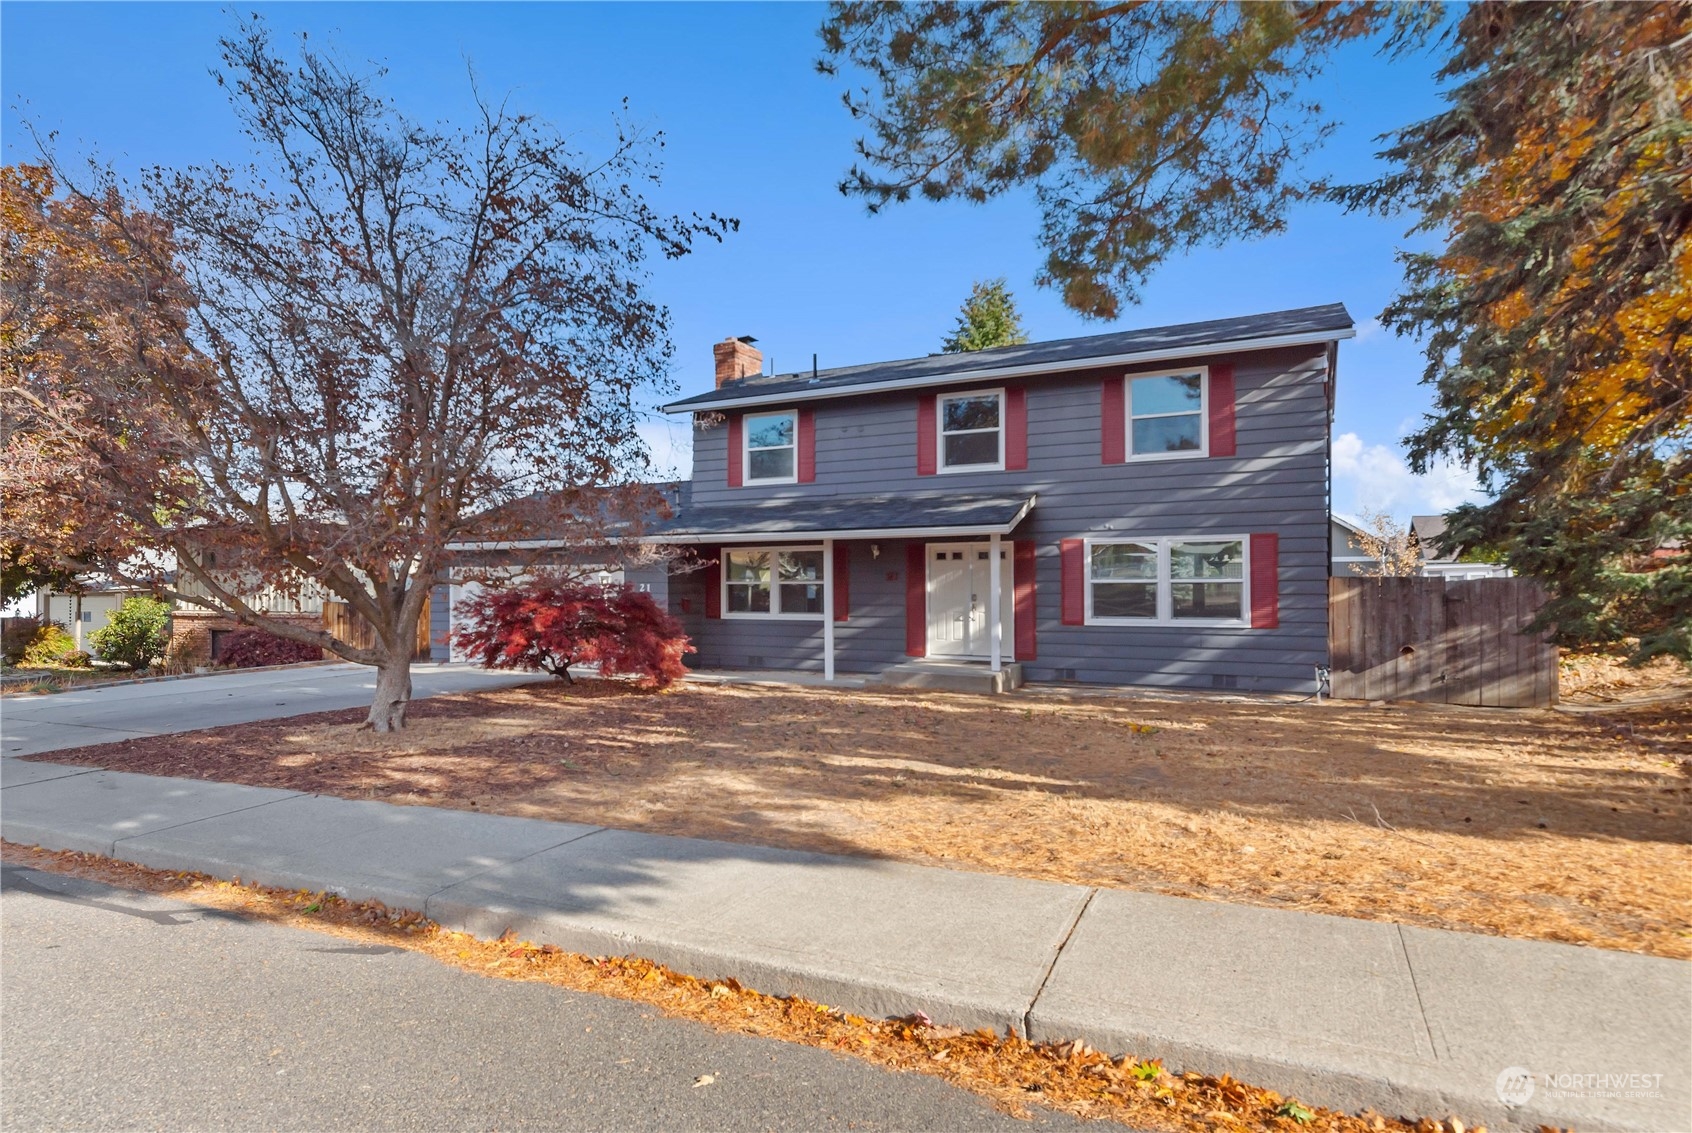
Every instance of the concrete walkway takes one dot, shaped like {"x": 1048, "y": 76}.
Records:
{"x": 1337, "y": 1012}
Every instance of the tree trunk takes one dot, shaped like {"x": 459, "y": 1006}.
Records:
{"x": 393, "y": 694}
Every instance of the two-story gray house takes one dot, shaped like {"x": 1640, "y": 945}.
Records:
{"x": 1143, "y": 507}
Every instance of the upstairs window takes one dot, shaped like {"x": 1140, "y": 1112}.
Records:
{"x": 972, "y": 435}
{"x": 772, "y": 448}
{"x": 1166, "y": 415}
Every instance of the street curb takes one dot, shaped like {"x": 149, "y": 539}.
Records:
{"x": 1331, "y": 1074}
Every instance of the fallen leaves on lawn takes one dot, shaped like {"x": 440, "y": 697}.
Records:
{"x": 1563, "y": 826}
{"x": 1007, "y": 1069}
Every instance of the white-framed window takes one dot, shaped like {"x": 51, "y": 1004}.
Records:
{"x": 771, "y": 447}
{"x": 1169, "y": 580}
{"x": 767, "y": 582}
{"x": 972, "y": 431}
{"x": 1167, "y": 414}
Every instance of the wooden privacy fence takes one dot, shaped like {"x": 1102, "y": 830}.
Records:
{"x": 1448, "y": 642}
{"x": 351, "y": 628}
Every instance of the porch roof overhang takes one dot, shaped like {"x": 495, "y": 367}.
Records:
{"x": 881, "y": 517}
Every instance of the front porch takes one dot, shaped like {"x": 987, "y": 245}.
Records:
{"x": 899, "y": 591}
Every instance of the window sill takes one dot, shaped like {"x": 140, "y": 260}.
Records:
{"x": 1154, "y": 457}
{"x": 749, "y": 617}
{"x": 943, "y": 470}
{"x": 1172, "y": 623}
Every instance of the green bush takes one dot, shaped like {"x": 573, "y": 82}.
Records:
{"x": 135, "y": 633}
{"x": 49, "y": 645}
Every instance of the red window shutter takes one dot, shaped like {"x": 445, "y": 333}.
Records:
{"x": 1222, "y": 410}
{"x": 1022, "y": 574}
{"x": 927, "y": 430}
{"x": 1265, "y": 581}
{"x": 1073, "y": 553}
{"x": 841, "y": 580}
{"x": 1113, "y": 421}
{"x": 713, "y": 581}
{"x": 916, "y": 597}
{"x": 807, "y": 446}
{"x": 736, "y": 451}
{"x": 1016, "y": 428}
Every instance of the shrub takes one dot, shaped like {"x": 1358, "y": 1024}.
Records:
{"x": 254, "y": 648}
{"x": 15, "y": 637}
{"x": 134, "y": 633}
{"x": 49, "y": 645}
{"x": 77, "y": 659}
{"x": 547, "y": 626}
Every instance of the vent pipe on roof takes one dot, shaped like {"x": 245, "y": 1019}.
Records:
{"x": 813, "y": 367}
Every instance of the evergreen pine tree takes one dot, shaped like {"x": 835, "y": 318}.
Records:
{"x": 987, "y": 319}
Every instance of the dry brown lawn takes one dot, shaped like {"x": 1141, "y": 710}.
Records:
{"x": 1538, "y": 824}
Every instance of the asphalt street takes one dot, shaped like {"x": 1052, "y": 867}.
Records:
{"x": 120, "y": 1010}
{"x": 30, "y": 724}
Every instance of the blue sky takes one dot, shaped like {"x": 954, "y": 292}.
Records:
{"x": 753, "y": 132}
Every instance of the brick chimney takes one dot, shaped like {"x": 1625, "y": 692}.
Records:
{"x": 737, "y": 358}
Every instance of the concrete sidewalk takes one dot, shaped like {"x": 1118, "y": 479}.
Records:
{"x": 1338, "y": 1012}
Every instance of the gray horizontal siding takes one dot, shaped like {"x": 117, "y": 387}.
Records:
{"x": 1277, "y": 482}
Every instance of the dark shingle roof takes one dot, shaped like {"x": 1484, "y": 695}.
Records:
{"x": 1329, "y": 319}
{"x": 814, "y": 517}
{"x": 1430, "y": 535}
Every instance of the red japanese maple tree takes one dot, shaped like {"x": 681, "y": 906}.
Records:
{"x": 549, "y": 626}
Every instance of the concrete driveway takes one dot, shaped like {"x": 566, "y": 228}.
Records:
{"x": 30, "y": 724}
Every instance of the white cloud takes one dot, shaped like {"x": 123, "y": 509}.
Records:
{"x": 1377, "y": 478}
{"x": 1367, "y": 329}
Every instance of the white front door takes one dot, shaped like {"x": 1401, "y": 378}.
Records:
{"x": 959, "y": 586}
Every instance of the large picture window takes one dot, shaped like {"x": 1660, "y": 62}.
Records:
{"x": 772, "y": 447}
{"x": 1171, "y": 580}
{"x": 1166, "y": 415}
{"x": 972, "y": 435}
{"x": 773, "y": 583}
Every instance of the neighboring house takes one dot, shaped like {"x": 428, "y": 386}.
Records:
{"x": 1143, "y": 507}
{"x": 1441, "y": 557}
{"x": 85, "y": 612}
{"x": 1347, "y": 555}
{"x": 197, "y": 635}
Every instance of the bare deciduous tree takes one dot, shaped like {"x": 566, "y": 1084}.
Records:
{"x": 396, "y": 331}
{"x": 1390, "y": 544}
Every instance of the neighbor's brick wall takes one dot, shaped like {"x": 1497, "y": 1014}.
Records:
{"x": 190, "y": 633}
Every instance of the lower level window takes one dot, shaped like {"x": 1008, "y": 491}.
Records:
{"x": 1167, "y": 580}
{"x": 773, "y": 582}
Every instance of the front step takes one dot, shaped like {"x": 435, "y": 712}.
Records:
{"x": 949, "y": 676}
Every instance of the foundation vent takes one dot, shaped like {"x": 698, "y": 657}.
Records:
{"x": 1217, "y": 680}
{"x": 1066, "y": 674}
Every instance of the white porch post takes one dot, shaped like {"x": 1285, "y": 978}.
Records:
{"x": 993, "y": 583}
{"x": 828, "y": 609}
